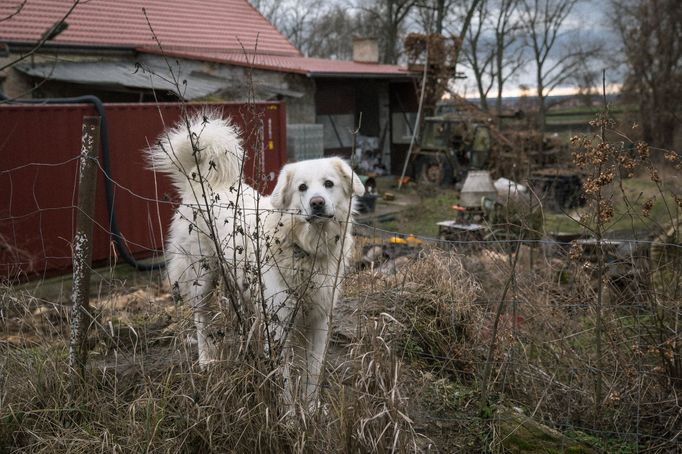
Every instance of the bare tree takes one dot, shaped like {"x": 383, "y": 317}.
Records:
{"x": 441, "y": 9}
{"x": 461, "y": 14}
{"x": 271, "y": 10}
{"x": 389, "y": 17}
{"x": 543, "y": 21}
{"x": 432, "y": 14}
{"x": 295, "y": 19}
{"x": 323, "y": 30}
{"x": 301, "y": 17}
{"x": 492, "y": 47}
{"x": 479, "y": 53}
{"x": 464, "y": 14}
{"x": 587, "y": 81}
{"x": 337, "y": 27}
{"x": 509, "y": 56}
{"x": 651, "y": 34}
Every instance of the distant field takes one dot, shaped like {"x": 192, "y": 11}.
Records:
{"x": 570, "y": 120}
{"x": 580, "y": 116}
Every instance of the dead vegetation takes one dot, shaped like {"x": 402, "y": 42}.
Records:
{"x": 514, "y": 345}
{"x": 403, "y": 373}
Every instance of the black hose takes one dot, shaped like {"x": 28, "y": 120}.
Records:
{"x": 106, "y": 166}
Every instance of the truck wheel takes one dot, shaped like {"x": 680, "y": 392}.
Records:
{"x": 434, "y": 171}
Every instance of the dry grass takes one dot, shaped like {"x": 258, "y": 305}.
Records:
{"x": 143, "y": 391}
{"x": 403, "y": 373}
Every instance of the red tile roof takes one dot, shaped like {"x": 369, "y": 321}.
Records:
{"x": 296, "y": 64}
{"x": 212, "y": 30}
{"x": 188, "y": 25}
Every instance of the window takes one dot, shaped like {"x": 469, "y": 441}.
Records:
{"x": 402, "y": 130}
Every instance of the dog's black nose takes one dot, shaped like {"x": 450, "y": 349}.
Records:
{"x": 317, "y": 204}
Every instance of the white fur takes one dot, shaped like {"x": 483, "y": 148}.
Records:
{"x": 302, "y": 254}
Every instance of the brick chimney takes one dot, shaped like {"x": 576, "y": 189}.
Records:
{"x": 365, "y": 50}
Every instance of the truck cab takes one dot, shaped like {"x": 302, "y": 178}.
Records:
{"x": 449, "y": 147}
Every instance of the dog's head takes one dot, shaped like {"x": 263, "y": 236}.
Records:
{"x": 318, "y": 189}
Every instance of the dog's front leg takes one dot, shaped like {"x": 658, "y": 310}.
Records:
{"x": 280, "y": 310}
{"x": 206, "y": 350}
{"x": 200, "y": 293}
{"x": 279, "y": 342}
{"x": 318, "y": 331}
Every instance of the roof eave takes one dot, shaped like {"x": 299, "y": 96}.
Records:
{"x": 345, "y": 75}
{"x": 71, "y": 48}
{"x": 222, "y": 60}
{"x": 177, "y": 53}
{"x": 202, "y": 54}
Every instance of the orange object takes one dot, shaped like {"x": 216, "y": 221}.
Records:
{"x": 413, "y": 240}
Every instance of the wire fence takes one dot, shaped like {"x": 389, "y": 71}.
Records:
{"x": 524, "y": 309}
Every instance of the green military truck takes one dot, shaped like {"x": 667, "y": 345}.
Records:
{"x": 450, "y": 146}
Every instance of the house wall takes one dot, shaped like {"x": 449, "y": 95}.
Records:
{"x": 12, "y": 83}
{"x": 241, "y": 84}
{"x": 244, "y": 84}
{"x": 404, "y": 104}
{"x": 386, "y": 106}
{"x": 15, "y": 84}
{"x": 301, "y": 109}
{"x": 385, "y": 122}
{"x": 367, "y": 102}
{"x": 335, "y": 109}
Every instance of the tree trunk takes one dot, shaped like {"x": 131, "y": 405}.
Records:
{"x": 542, "y": 110}
{"x": 440, "y": 16}
{"x": 499, "y": 59}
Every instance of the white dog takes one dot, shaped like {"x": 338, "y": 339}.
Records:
{"x": 282, "y": 257}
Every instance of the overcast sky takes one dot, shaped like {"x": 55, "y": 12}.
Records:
{"x": 588, "y": 22}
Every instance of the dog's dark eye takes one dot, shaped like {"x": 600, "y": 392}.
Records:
{"x": 303, "y": 187}
{"x": 328, "y": 184}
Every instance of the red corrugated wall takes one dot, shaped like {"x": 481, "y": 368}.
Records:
{"x": 39, "y": 147}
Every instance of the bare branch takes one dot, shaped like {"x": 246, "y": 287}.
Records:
{"x": 46, "y": 37}
{"x": 19, "y": 7}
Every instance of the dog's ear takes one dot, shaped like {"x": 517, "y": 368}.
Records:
{"x": 280, "y": 196}
{"x": 352, "y": 179}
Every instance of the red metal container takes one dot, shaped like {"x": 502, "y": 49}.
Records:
{"x": 39, "y": 148}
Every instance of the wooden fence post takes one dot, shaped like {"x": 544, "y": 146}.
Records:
{"x": 82, "y": 246}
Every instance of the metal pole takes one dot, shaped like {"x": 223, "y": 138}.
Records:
{"x": 82, "y": 246}
{"x": 415, "y": 132}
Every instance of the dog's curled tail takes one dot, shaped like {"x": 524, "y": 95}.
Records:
{"x": 205, "y": 149}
